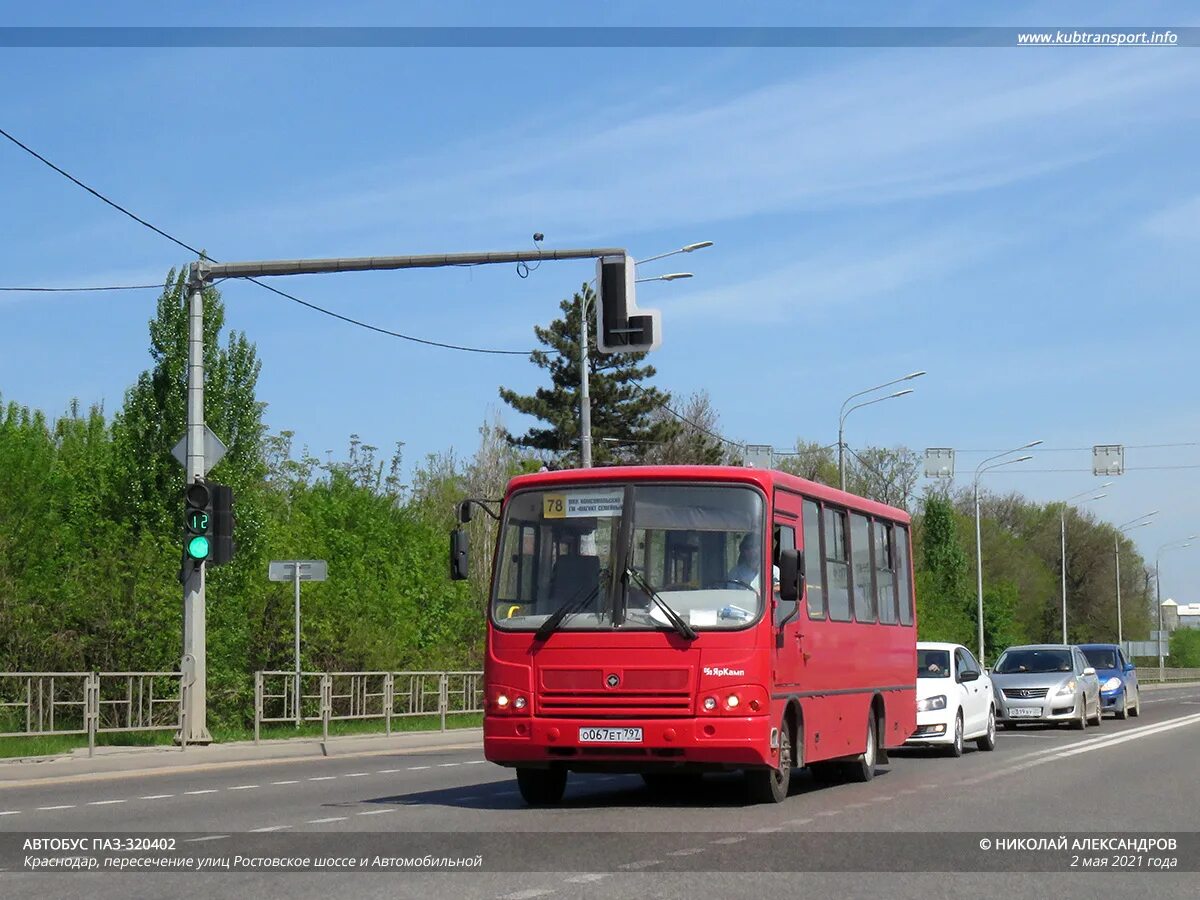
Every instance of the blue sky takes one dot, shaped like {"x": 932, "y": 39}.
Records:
{"x": 1023, "y": 224}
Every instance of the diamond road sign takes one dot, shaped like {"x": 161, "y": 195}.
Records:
{"x": 214, "y": 450}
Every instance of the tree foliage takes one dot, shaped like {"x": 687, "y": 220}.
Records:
{"x": 622, "y": 409}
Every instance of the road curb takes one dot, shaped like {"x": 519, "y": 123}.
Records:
{"x": 165, "y": 761}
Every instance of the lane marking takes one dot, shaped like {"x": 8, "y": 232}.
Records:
{"x": 104, "y": 802}
{"x": 387, "y": 771}
{"x": 47, "y": 808}
{"x": 588, "y": 879}
{"x": 804, "y": 821}
{"x": 640, "y": 864}
{"x": 418, "y": 768}
{"x": 210, "y": 837}
{"x": 268, "y": 828}
{"x": 323, "y": 821}
{"x": 10, "y": 812}
{"x": 156, "y": 797}
{"x": 729, "y": 840}
{"x": 483, "y": 762}
{"x": 767, "y": 830}
{"x": 527, "y": 895}
{"x": 285, "y": 782}
{"x": 857, "y": 805}
{"x": 830, "y": 812}
{"x": 1100, "y": 743}
{"x": 323, "y": 778}
{"x": 243, "y": 787}
{"x": 447, "y": 765}
{"x": 356, "y": 774}
{"x": 376, "y": 812}
{"x": 206, "y": 791}
{"x": 884, "y": 799}
{"x": 690, "y": 851}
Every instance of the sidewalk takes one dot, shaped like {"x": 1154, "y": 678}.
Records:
{"x": 120, "y": 761}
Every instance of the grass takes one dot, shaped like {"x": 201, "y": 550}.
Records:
{"x": 52, "y": 745}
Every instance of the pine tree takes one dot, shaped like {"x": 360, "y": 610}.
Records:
{"x": 621, "y": 408}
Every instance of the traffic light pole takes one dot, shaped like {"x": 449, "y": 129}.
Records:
{"x": 194, "y": 638}
{"x": 201, "y": 274}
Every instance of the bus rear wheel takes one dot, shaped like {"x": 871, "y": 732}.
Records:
{"x": 771, "y": 785}
{"x": 542, "y": 787}
{"x": 863, "y": 767}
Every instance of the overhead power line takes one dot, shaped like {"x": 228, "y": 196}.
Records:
{"x": 71, "y": 290}
{"x": 328, "y": 312}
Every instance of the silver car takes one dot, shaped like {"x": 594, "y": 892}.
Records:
{"x": 1046, "y": 683}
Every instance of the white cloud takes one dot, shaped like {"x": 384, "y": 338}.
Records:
{"x": 897, "y": 126}
{"x": 1178, "y": 222}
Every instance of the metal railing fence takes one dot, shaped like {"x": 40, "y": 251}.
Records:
{"x": 287, "y": 697}
{"x": 44, "y": 704}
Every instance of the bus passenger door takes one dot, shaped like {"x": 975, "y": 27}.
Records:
{"x": 788, "y": 654}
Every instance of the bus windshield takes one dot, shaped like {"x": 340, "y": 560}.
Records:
{"x": 698, "y": 546}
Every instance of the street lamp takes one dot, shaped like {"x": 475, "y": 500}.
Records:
{"x": 1121, "y": 529}
{"x": 845, "y": 412}
{"x": 1172, "y": 545}
{"x": 979, "y": 470}
{"x": 1062, "y": 523}
{"x": 585, "y": 398}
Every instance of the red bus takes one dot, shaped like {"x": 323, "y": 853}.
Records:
{"x": 632, "y": 628}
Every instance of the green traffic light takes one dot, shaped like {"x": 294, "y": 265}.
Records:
{"x": 197, "y": 547}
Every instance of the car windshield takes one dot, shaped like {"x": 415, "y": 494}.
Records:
{"x": 1101, "y": 657}
{"x": 933, "y": 663}
{"x": 1034, "y": 662}
{"x": 698, "y": 546}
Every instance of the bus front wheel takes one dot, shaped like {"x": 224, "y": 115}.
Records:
{"x": 771, "y": 785}
{"x": 542, "y": 787}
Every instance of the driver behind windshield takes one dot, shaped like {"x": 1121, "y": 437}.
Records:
{"x": 748, "y": 564}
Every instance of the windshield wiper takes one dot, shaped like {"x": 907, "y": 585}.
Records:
{"x": 555, "y": 619}
{"x": 675, "y": 619}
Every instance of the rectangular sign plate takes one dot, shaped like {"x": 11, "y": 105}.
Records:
{"x": 310, "y": 569}
{"x": 582, "y": 504}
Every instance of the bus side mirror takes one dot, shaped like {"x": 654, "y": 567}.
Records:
{"x": 463, "y": 512}
{"x": 791, "y": 568}
{"x": 458, "y": 555}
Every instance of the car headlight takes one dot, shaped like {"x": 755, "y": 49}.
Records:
{"x": 932, "y": 703}
{"x": 1068, "y": 688}
{"x": 1112, "y": 684}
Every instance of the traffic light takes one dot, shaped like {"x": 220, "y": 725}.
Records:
{"x": 223, "y": 546}
{"x": 620, "y": 326}
{"x": 197, "y": 522}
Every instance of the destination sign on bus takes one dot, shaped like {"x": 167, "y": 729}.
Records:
{"x": 580, "y": 504}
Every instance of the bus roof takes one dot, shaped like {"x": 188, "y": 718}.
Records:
{"x": 766, "y": 479}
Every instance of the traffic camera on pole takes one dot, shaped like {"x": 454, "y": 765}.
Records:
{"x": 197, "y": 522}
{"x": 620, "y": 326}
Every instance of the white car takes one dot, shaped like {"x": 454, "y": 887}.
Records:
{"x": 954, "y": 700}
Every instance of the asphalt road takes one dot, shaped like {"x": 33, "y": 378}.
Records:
{"x": 613, "y": 838}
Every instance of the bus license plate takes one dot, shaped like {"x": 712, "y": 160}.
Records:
{"x": 1024, "y": 712}
{"x": 610, "y": 735}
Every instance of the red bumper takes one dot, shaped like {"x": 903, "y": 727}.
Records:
{"x": 718, "y": 741}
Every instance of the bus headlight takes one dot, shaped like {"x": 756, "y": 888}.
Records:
{"x": 732, "y": 701}
{"x": 710, "y": 703}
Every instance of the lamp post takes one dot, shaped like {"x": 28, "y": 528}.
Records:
{"x": 845, "y": 412}
{"x": 1062, "y": 523}
{"x": 1121, "y": 529}
{"x": 979, "y": 470}
{"x": 1173, "y": 545}
{"x": 585, "y": 398}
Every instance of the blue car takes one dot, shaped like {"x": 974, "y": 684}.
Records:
{"x": 1119, "y": 692}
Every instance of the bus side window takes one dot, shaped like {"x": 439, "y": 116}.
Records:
{"x": 885, "y": 571}
{"x": 785, "y": 539}
{"x": 814, "y": 559}
{"x": 864, "y": 575}
{"x": 837, "y": 565}
{"x": 903, "y": 575}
